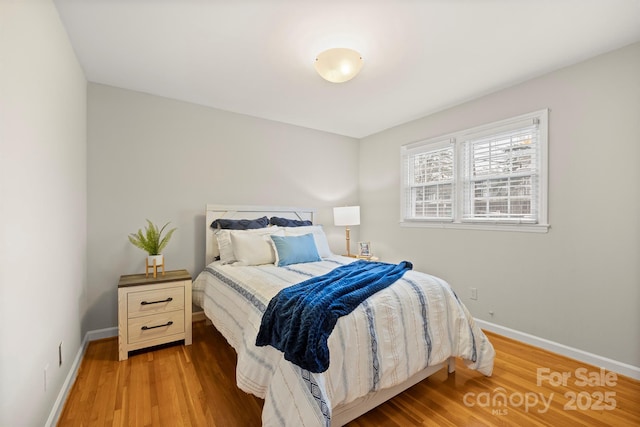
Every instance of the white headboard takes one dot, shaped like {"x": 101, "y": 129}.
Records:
{"x": 214, "y": 212}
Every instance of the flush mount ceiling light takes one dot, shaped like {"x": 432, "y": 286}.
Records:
{"x": 338, "y": 65}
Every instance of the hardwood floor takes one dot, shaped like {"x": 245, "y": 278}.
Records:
{"x": 195, "y": 386}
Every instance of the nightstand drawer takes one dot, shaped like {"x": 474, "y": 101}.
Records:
{"x": 155, "y": 326}
{"x": 155, "y": 301}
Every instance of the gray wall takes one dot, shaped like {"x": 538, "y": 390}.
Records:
{"x": 156, "y": 158}
{"x": 42, "y": 209}
{"x": 579, "y": 284}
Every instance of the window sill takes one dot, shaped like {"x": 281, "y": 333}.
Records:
{"x": 523, "y": 228}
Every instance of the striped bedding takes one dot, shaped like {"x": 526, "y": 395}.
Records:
{"x": 414, "y": 323}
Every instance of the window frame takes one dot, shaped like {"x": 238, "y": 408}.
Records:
{"x": 459, "y": 140}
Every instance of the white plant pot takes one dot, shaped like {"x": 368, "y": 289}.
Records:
{"x": 159, "y": 259}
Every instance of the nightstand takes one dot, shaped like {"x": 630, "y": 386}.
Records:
{"x": 153, "y": 310}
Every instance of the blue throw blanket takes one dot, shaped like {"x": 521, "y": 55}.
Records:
{"x": 300, "y": 318}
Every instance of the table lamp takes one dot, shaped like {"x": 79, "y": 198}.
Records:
{"x": 346, "y": 216}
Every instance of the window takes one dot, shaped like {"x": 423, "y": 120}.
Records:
{"x": 490, "y": 177}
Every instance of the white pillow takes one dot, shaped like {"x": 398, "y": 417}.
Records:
{"x": 318, "y": 235}
{"x": 252, "y": 247}
{"x": 225, "y": 246}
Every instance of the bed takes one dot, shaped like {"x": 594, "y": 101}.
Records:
{"x": 391, "y": 341}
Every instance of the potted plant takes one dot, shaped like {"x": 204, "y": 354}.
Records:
{"x": 152, "y": 242}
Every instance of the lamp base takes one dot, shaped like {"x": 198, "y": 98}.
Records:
{"x": 348, "y": 235}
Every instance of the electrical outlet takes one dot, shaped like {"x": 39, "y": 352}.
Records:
{"x": 60, "y": 354}
{"x": 46, "y": 368}
{"x": 474, "y": 293}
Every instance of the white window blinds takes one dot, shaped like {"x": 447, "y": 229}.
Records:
{"x": 501, "y": 175}
{"x": 492, "y": 174}
{"x": 429, "y": 176}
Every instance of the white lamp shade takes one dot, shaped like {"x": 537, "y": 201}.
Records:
{"x": 338, "y": 65}
{"x": 346, "y": 215}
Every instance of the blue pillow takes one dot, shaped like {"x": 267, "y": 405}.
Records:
{"x": 286, "y": 222}
{"x": 295, "y": 249}
{"x": 240, "y": 224}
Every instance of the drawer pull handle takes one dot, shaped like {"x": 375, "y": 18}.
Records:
{"x": 156, "y": 302}
{"x": 146, "y": 328}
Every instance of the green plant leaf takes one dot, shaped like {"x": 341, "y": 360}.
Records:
{"x": 163, "y": 243}
{"x": 151, "y": 240}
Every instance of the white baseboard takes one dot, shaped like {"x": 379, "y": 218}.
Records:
{"x": 99, "y": 334}
{"x": 564, "y": 350}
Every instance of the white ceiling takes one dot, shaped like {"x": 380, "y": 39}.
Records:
{"x": 256, "y": 57}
